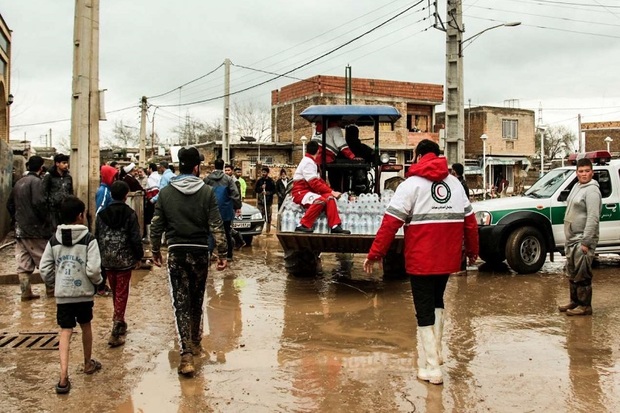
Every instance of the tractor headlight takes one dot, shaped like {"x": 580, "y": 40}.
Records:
{"x": 384, "y": 158}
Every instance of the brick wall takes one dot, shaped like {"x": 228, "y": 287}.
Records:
{"x": 596, "y": 132}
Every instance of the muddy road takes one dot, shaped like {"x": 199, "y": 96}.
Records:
{"x": 330, "y": 344}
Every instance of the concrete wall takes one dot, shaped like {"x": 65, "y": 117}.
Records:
{"x": 6, "y": 185}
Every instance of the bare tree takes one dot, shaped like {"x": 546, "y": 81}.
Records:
{"x": 124, "y": 135}
{"x": 559, "y": 140}
{"x": 251, "y": 119}
{"x": 194, "y": 131}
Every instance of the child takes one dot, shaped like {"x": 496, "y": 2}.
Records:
{"x": 120, "y": 246}
{"x": 71, "y": 266}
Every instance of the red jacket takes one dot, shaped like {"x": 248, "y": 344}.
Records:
{"x": 437, "y": 215}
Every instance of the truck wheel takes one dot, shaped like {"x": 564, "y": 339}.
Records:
{"x": 303, "y": 263}
{"x": 394, "y": 266}
{"x": 525, "y": 250}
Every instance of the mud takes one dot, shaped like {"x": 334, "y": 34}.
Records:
{"x": 330, "y": 344}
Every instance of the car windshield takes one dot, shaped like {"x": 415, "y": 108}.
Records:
{"x": 547, "y": 185}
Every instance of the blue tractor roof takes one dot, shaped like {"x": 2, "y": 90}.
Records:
{"x": 351, "y": 113}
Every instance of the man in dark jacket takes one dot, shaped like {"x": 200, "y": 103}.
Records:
{"x": 58, "y": 185}
{"x": 187, "y": 212}
{"x": 120, "y": 245}
{"x": 228, "y": 199}
{"x": 28, "y": 207}
{"x": 264, "y": 189}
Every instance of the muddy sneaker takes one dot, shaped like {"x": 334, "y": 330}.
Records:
{"x": 339, "y": 230}
{"x": 116, "y": 340}
{"x": 122, "y": 328}
{"x": 569, "y": 306}
{"x": 186, "y": 367}
{"x": 580, "y": 310}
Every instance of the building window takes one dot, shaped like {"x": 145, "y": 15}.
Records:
{"x": 509, "y": 128}
{"x": 4, "y": 43}
{"x": 417, "y": 123}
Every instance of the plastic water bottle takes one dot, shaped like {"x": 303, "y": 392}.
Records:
{"x": 353, "y": 223}
{"x": 322, "y": 225}
{"x": 288, "y": 221}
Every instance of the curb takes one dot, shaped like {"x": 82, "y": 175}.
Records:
{"x": 12, "y": 278}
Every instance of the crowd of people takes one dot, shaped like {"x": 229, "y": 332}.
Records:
{"x": 193, "y": 217}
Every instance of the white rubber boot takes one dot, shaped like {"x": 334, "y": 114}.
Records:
{"x": 432, "y": 372}
{"x": 438, "y": 329}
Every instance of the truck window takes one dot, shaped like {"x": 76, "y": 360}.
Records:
{"x": 604, "y": 182}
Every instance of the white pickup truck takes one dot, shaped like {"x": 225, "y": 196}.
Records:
{"x": 523, "y": 229}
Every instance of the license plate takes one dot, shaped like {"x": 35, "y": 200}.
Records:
{"x": 241, "y": 224}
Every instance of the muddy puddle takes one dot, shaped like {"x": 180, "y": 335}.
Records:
{"x": 330, "y": 344}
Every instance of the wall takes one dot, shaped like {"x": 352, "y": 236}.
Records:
{"x": 596, "y": 132}
{"x": 6, "y": 185}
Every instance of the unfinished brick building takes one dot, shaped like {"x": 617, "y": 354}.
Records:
{"x": 415, "y": 101}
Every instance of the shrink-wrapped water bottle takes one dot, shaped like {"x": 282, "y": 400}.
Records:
{"x": 288, "y": 221}
{"x": 353, "y": 223}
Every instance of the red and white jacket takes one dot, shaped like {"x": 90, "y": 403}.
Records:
{"x": 437, "y": 215}
{"x": 335, "y": 142}
{"x": 307, "y": 184}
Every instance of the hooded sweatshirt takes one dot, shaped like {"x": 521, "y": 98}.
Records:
{"x": 71, "y": 264}
{"x": 228, "y": 198}
{"x": 581, "y": 221}
{"x": 118, "y": 236}
{"x": 437, "y": 215}
{"x": 103, "y": 196}
{"x": 187, "y": 212}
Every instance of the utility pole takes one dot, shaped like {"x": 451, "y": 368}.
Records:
{"x": 142, "y": 156}
{"x": 85, "y": 102}
{"x": 455, "y": 113}
{"x": 226, "y": 135}
{"x": 50, "y": 139}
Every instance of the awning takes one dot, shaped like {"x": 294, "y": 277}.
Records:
{"x": 506, "y": 160}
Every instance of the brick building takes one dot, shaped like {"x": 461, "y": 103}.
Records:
{"x": 6, "y": 155}
{"x": 596, "y": 132}
{"x": 510, "y": 142}
{"x": 415, "y": 101}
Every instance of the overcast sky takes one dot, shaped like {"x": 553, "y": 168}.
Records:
{"x": 563, "y": 57}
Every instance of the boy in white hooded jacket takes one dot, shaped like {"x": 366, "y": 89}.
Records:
{"x": 71, "y": 265}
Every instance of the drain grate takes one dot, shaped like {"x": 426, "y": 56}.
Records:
{"x": 31, "y": 341}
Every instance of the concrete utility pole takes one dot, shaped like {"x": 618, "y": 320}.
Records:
{"x": 455, "y": 113}
{"x": 85, "y": 103}
{"x": 226, "y": 135}
{"x": 142, "y": 160}
{"x": 581, "y": 139}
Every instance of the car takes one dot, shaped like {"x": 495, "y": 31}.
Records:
{"x": 523, "y": 229}
{"x": 250, "y": 223}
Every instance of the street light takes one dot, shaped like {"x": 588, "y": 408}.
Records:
{"x": 542, "y": 130}
{"x": 454, "y": 122}
{"x": 608, "y": 141}
{"x": 303, "y": 140}
{"x": 475, "y": 36}
{"x": 484, "y": 138}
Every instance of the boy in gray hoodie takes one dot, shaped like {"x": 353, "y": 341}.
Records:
{"x": 581, "y": 228}
{"x": 71, "y": 266}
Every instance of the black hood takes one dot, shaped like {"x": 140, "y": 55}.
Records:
{"x": 116, "y": 215}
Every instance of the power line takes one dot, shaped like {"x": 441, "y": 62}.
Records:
{"x": 187, "y": 83}
{"x": 305, "y": 64}
{"x": 63, "y": 120}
